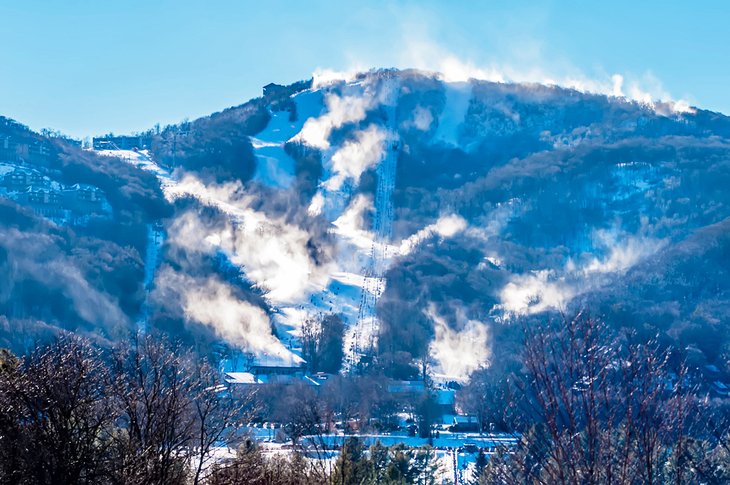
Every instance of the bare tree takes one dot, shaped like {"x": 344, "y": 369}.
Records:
{"x": 594, "y": 408}
{"x": 57, "y": 418}
{"x": 218, "y": 413}
{"x": 147, "y": 413}
{"x": 152, "y": 386}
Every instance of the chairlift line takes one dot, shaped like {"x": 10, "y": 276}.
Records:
{"x": 367, "y": 326}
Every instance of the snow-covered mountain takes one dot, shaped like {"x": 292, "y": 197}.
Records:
{"x": 431, "y": 216}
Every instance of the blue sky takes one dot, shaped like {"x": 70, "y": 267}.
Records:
{"x": 89, "y": 67}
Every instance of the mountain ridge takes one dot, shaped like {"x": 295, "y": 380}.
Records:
{"x": 508, "y": 201}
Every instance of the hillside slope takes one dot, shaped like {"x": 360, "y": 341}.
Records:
{"x": 429, "y": 215}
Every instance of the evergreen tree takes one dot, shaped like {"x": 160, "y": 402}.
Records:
{"x": 479, "y": 466}
{"x": 352, "y": 466}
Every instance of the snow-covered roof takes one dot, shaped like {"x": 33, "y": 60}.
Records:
{"x": 5, "y": 169}
{"x": 25, "y": 170}
{"x": 284, "y": 361}
{"x": 242, "y": 378}
{"x": 398, "y": 387}
{"x": 40, "y": 190}
{"x": 93, "y": 188}
{"x": 464, "y": 419}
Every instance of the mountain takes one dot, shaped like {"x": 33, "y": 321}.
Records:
{"x": 431, "y": 217}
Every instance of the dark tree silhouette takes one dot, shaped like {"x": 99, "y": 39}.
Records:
{"x": 57, "y": 415}
{"x": 322, "y": 343}
{"x": 595, "y": 407}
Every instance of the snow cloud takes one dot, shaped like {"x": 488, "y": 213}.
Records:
{"x": 37, "y": 256}
{"x": 350, "y": 225}
{"x": 340, "y": 111}
{"x": 526, "y": 64}
{"x": 274, "y": 254}
{"x": 445, "y": 227}
{"x": 213, "y": 303}
{"x": 622, "y": 254}
{"x": 534, "y": 293}
{"x": 326, "y": 77}
{"x": 421, "y": 120}
{"x": 542, "y": 290}
{"x": 358, "y": 155}
{"x": 458, "y": 353}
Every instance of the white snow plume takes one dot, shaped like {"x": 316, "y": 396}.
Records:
{"x": 91, "y": 304}
{"x": 422, "y": 118}
{"x": 422, "y": 53}
{"x": 349, "y": 106}
{"x": 316, "y": 206}
{"x": 542, "y": 290}
{"x": 445, "y": 227}
{"x": 325, "y": 77}
{"x": 623, "y": 254}
{"x": 273, "y": 253}
{"x": 340, "y": 110}
{"x": 358, "y": 155}
{"x": 238, "y": 322}
{"x": 535, "y": 292}
{"x": 36, "y": 256}
{"x": 458, "y": 352}
{"x": 493, "y": 224}
{"x": 350, "y": 225}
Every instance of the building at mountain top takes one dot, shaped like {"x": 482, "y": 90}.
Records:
{"x": 273, "y": 88}
{"x": 122, "y": 142}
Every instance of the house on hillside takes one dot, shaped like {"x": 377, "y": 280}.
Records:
{"x": 23, "y": 150}
{"x": 242, "y": 379}
{"x": 45, "y": 201}
{"x": 262, "y": 369}
{"x": 274, "y": 366}
{"x": 405, "y": 389}
{"x": 20, "y": 178}
{"x": 84, "y": 199}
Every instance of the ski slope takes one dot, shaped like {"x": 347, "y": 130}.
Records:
{"x": 363, "y": 335}
{"x": 155, "y": 231}
{"x": 356, "y": 280}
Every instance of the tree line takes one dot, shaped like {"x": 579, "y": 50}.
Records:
{"x": 143, "y": 412}
{"x": 589, "y": 405}
{"x": 596, "y": 406}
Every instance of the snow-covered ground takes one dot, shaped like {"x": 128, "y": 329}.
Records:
{"x": 143, "y": 160}
{"x": 274, "y": 167}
